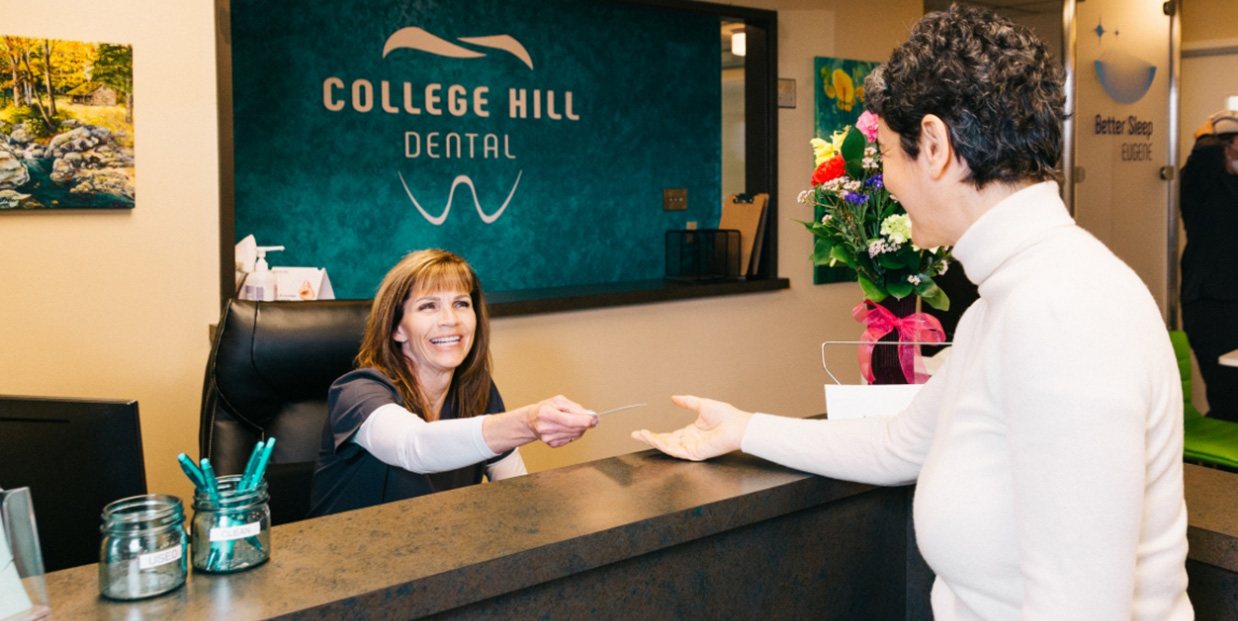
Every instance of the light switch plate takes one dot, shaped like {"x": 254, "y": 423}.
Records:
{"x": 674, "y": 199}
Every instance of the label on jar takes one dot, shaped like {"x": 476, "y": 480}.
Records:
{"x": 228, "y": 533}
{"x": 162, "y": 557}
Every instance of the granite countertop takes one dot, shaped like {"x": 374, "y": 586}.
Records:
{"x": 434, "y": 553}
{"x": 1212, "y": 515}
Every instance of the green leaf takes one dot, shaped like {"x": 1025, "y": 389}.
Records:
{"x": 841, "y": 255}
{"x": 904, "y": 259}
{"x": 871, "y": 290}
{"x": 821, "y": 251}
{"x": 853, "y": 153}
{"x": 900, "y": 288}
{"x": 889, "y": 261}
{"x": 853, "y": 145}
{"x": 933, "y": 295}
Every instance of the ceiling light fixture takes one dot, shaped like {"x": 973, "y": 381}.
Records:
{"x": 739, "y": 43}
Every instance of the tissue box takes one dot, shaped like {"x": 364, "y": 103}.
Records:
{"x": 302, "y": 283}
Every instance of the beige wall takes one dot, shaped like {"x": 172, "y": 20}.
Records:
{"x": 1207, "y": 20}
{"x": 1209, "y": 65}
{"x": 116, "y": 305}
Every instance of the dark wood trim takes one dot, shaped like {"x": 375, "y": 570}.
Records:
{"x": 227, "y": 187}
{"x": 561, "y": 299}
{"x": 761, "y": 129}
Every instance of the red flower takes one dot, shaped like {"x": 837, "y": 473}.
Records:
{"x": 832, "y": 168}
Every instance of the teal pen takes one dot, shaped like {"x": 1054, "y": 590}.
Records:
{"x": 191, "y": 471}
{"x": 212, "y": 485}
{"x": 253, "y": 460}
{"x": 255, "y": 477}
{"x": 217, "y": 557}
{"x": 250, "y": 467}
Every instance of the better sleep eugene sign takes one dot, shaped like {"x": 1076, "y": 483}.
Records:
{"x": 533, "y": 137}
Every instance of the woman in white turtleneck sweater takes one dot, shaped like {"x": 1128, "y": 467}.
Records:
{"x": 1047, "y": 451}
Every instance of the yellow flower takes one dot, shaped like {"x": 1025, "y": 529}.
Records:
{"x": 823, "y": 151}
{"x": 841, "y": 89}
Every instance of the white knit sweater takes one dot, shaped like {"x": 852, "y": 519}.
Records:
{"x": 1048, "y": 450}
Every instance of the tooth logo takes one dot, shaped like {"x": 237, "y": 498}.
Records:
{"x": 414, "y": 38}
{"x": 1125, "y": 77}
{"x": 438, "y": 220}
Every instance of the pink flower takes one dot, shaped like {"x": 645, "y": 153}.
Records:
{"x": 867, "y": 124}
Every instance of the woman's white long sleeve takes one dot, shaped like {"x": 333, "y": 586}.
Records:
{"x": 397, "y": 437}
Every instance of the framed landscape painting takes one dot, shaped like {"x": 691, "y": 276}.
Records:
{"x": 66, "y": 125}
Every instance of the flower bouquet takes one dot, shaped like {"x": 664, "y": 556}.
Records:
{"x": 864, "y": 228}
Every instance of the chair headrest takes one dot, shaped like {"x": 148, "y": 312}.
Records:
{"x": 267, "y": 354}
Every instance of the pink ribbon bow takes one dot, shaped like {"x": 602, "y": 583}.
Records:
{"x": 879, "y": 321}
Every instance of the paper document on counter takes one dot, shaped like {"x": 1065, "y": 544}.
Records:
{"x": 845, "y": 401}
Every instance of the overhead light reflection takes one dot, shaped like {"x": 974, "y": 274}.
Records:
{"x": 739, "y": 43}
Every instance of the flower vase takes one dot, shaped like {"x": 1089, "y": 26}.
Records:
{"x": 885, "y": 363}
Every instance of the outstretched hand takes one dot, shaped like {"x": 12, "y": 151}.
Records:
{"x": 559, "y": 420}
{"x": 718, "y": 429}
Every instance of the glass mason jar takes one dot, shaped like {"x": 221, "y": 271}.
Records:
{"x": 232, "y": 532}
{"x": 143, "y": 549}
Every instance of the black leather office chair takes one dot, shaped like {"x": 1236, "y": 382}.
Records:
{"x": 270, "y": 367}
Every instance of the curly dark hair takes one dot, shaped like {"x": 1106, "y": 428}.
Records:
{"x": 992, "y": 82}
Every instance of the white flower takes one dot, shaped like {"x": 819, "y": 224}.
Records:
{"x": 870, "y": 158}
{"x": 897, "y": 227}
{"x": 942, "y": 267}
{"x": 875, "y": 248}
{"x": 802, "y": 197}
{"x": 881, "y": 246}
{"x": 826, "y": 218}
{"x": 913, "y": 279}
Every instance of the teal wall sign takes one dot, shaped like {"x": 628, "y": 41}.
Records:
{"x": 533, "y": 137}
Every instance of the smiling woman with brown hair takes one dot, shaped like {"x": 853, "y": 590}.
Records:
{"x": 421, "y": 413}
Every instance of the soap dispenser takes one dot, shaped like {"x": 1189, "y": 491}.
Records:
{"x": 260, "y": 284}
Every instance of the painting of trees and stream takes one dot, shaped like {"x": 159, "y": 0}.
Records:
{"x": 66, "y": 125}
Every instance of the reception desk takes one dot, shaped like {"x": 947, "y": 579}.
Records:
{"x": 634, "y": 536}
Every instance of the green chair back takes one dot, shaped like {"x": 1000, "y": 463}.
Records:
{"x": 1206, "y": 441}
